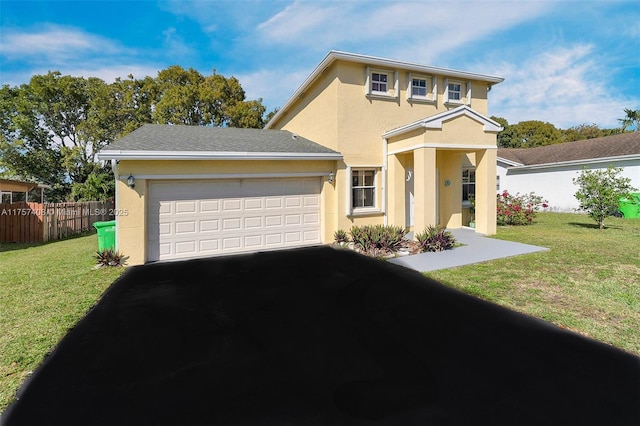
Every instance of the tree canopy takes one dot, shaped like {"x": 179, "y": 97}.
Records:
{"x": 533, "y": 133}
{"x": 53, "y": 127}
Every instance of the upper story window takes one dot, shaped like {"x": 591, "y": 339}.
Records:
{"x": 379, "y": 82}
{"x": 363, "y": 188}
{"x": 419, "y": 87}
{"x": 455, "y": 91}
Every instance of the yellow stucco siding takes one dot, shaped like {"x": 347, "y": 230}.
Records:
{"x": 313, "y": 115}
{"x": 131, "y": 224}
{"x": 461, "y": 130}
{"x": 200, "y": 167}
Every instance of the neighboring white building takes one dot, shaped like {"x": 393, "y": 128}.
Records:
{"x": 549, "y": 170}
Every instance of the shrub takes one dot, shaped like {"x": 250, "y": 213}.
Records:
{"x": 518, "y": 209}
{"x": 376, "y": 239}
{"x": 341, "y": 237}
{"x": 435, "y": 238}
{"x": 600, "y": 191}
{"x": 110, "y": 257}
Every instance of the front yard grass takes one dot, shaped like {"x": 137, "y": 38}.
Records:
{"x": 588, "y": 282}
{"x": 44, "y": 290}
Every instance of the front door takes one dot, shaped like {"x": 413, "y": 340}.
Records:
{"x": 409, "y": 198}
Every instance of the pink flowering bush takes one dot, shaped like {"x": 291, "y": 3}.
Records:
{"x": 518, "y": 209}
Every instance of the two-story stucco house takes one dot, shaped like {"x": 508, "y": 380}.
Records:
{"x": 363, "y": 140}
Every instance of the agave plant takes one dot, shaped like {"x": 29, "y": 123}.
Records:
{"x": 110, "y": 257}
{"x": 435, "y": 238}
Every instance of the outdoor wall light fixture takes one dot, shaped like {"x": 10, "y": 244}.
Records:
{"x": 331, "y": 176}
{"x": 131, "y": 182}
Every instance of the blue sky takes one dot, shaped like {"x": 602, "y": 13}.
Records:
{"x": 565, "y": 62}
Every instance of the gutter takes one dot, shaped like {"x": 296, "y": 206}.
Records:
{"x": 574, "y": 162}
{"x": 213, "y": 155}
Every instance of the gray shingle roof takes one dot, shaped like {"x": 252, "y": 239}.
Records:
{"x": 182, "y": 138}
{"x": 609, "y": 146}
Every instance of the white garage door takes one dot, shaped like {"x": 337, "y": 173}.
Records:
{"x": 188, "y": 219}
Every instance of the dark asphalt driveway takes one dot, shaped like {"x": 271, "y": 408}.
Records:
{"x": 318, "y": 336}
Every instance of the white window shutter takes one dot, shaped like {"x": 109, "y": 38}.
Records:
{"x": 367, "y": 84}
{"x": 446, "y": 90}
{"x": 348, "y": 196}
{"x": 396, "y": 86}
{"x": 468, "y": 93}
{"x": 409, "y": 86}
{"x": 434, "y": 88}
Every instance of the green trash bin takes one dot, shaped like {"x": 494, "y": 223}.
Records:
{"x": 630, "y": 206}
{"x": 106, "y": 235}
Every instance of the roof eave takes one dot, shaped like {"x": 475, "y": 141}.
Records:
{"x": 209, "y": 155}
{"x": 576, "y": 162}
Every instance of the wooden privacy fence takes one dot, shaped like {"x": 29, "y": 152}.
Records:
{"x": 37, "y": 222}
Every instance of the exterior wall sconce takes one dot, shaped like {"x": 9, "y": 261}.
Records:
{"x": 331, "y": 176}
{"x": 131, "y": 182}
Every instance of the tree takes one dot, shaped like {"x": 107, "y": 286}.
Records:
{"x": 52, "y": 128}
{"x": 600, "y": 191}
{"x": 581, "y": 132}
{"x": 632, "y": 119}
{"x": 527, "y": 134}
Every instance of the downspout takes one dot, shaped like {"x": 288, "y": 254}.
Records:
{"x": 384, "y": 181}
{"x": 116, "y": 175}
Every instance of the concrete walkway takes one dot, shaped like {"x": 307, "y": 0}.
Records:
{"x": 477, "y": 248}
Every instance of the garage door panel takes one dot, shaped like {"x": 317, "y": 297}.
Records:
{"x": 210, "y": 206}
{"x": 253, "y": 222}
{"x": 292, "y": 202}
{"x": 217, "y": 217}
{"x": 311, "y": 219}
{"x": 273, "y": 203}
{"x": 231, "y": 243}
{"x": 210, "y": 225}
{"x": 292, "y": 220}
{"x": 210, "y": 245}
{"x": 186, "y": 227}
{"x": 254, "y": 203}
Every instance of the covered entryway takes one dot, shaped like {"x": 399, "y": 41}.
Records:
{"x": 199, "y": 218}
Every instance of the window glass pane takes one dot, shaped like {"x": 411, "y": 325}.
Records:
{"x": 354, "y": 178}
{"x": 383, "y": 78}
{"x": 368, "y": 178}
{"x": 368, "y": 197}
{"x": 357, "y": 198}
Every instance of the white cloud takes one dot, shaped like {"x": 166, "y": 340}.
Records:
{"x": 425, "y": 30}
{"x": 273, "y": 86}
{"x": 566, "y": 86}
{"x": 54, "y": 44}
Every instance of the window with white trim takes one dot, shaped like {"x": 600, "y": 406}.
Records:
{"x": 419, "y": 87}
{"x": 454, "y": 92}
{"x": 363, "y": 188}
{"x": 379, "y": 82}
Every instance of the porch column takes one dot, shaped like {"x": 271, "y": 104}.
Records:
{"x": 395, "y": 191}
{"x": 425, "y": 186}
{"x": 486, "y": 191}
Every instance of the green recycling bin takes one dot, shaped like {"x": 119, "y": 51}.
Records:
{"x": 630, "y": 206}
{"x": 106, "y": 235}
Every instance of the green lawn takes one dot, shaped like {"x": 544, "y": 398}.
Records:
{"x": 44, "y": 290}
{"x": 588, "y": 282}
